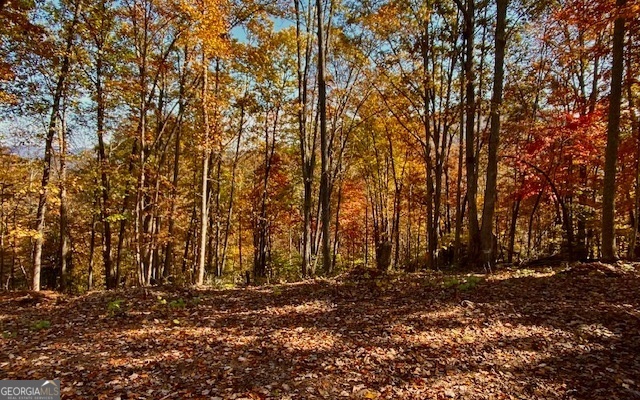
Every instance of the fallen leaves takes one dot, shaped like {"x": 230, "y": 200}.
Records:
{"x": 514, "y": 335}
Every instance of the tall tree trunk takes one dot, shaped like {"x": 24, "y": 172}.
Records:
{"x": 307, "y": 142}
{"x": 216, "y": 217}
{"x": 613, "y": 136}
{"x": 635, "y": 132}
{"x": 366, "y": 233}
{"x": 169, "y": 257}
{"x": 48, "y": 150}
{"x": 65, "y": 239}
{"x": 426, "y": 125}
{"x": 214, "y": 190}
{"x": 459, "y": 198}
{"x": 396, "y": 225}
{"x": 115, "y": 280}
{"x": 14, "y": 251}
{"x": 140, "y": 204}
{"x": 470, "y": 108}
{"x": 336, "y": 231}
{"x": 104, "y": 174}
{"x": 3, "y": 228}
{"x": 490, "y": 194}
{"x": 325, "y": 194}
{"x": 262, "y": 236}
{"x": 92, "y": 246}
{"x": 204, "y": 206}
{"x": 191, "y": 232}
{"x": 531, "y": 217}
{"x": 227, "y": 225}
{"x": 512, "y": 229}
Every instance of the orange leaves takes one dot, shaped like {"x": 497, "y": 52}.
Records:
{"x": 386, "y": 19}
{"x": 586, "y": 14}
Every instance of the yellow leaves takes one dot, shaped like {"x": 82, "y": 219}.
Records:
{"x": 468, "y": 339}
{"x": 370, "y": 394}
{"x": 21, "y": 233}
{"x": 208, "y": 24}
{"x": 269, "y": 56}
{"x": 361, "y": 392}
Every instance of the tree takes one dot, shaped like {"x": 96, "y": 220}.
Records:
{"x": 613, "y": 137}
{"x": 98, "y": 27}
{"x": 325, "y": 193}
{"x": 490, "y": 194}
{"x": 307, "y": 135}
{"x": 54, "y": 125}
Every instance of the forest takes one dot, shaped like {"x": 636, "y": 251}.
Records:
{"x": 217, "y": 142}
{"x": 261, "y": 199}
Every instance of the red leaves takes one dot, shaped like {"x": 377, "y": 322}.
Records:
{"x": 560, "y": 147}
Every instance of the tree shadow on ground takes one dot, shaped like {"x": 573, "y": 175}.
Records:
{"x": 562, "y": 335}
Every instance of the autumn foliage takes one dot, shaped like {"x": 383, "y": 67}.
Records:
{"x": 158, "y": 141}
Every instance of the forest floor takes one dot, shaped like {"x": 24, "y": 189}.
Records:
{"x": 571, "y": 333}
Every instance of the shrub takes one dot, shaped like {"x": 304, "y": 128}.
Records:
{"x": 470, "y": 283}
{"x": 115, "y": 307}
{"x": 40, "y": 325}
{"x": 179, "y": 303}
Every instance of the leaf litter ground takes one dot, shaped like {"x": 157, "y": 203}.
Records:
{"x": 571, "y": 333}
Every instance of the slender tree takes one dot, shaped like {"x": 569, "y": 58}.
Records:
{"x": 490, "y": 193}
{"x": 54, "y": 125}
{"x": 325, "y": 194}
{"x": 613, "y": 137}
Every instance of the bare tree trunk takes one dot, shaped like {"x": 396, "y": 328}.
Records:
{"x": 14, "y": 251}
{"x": 472, "y": 178}
{"x": 396, "y": 225}
{"x": 233, "y": 190}
{"x": 426, "y": 125}
{"x": 336, "y": 233}
{"x": 115, "y": 280}
{"x": 3, "y": 228}
{"x": 64, "y": 251}
{"x": 204, "y": 207}
{"x": 307, "y": 142}
{"x": 613, "y": 138}
{"x": 191, "y": 232}
{"x": 104, "y": 177}
{"x": 262, "y": 247}
{"x": 635, "y": 132}
{"x": 490, "y": 194}
{"x": 397, "y": 203}
{"x": 213, "y": 260}
{"x": 48, "y": 150}
{"x": 92, "y": 246}
{"x": 459, "y": 198}
{"x": 169, "y": 257}
{"x": 366, "y": 233}
{"x": 140, "y": 220}
{"x": 512, "y": 229}
{"x": 240, "y": 244}
{"x": 325, "y": 194}
{"x": 215, "y": 216}
{"x": 171, "y": 243}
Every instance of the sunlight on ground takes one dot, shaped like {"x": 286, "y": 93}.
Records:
{"x": 552, "y": 336}
{"x": 305, "y": 339}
